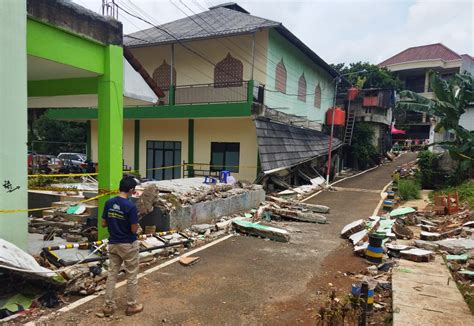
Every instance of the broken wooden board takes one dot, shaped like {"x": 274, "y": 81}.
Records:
{"x": 189, "y": 260}
{"x": 299, "y": 216}
{"x": 416, "y": 254}
{"x": 352, "y": 228}
{"x": 262, "y": 230}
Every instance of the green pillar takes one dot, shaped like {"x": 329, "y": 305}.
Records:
{"x": 13, "y": 122}
{"x": 190, "y": 147}
{"x": 250, "y": 91}
{"x": 136, "y": 147}
{"x": 89, "y": 140}
{"x": 171, "y": 94}
{"x": 110, "y": 125}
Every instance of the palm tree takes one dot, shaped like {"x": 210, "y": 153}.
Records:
{"x": 453, "y": 97}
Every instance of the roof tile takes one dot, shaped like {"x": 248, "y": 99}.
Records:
{"x": 435, "y": 51}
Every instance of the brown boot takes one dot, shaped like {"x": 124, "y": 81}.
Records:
{"x": 108, "y": 311}
{"x": 134, "y": 309}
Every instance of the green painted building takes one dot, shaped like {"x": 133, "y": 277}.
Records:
{"x": 52, "y": 50}
{"x": 248, "y": 66}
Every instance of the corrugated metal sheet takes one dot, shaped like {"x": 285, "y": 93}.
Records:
{"x": 283, "y": 146}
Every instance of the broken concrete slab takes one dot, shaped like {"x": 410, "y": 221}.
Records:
{"x": 360, "y": 249}
{"x": 299, "y": 205}
{"x": 401, "y": 231}
{"x": 427, "y": 228}
{"x": 358, "y": 237}
{"x": 423, "y": 244}
{"x": 417, "y": 255}
{"x": 458, "y": 258}
{"x": 262, "y": 230}
{"x": 402, "y": 211}
{"x": 397, "y": 247}
{"x": 202, "y": 228}
{"x": 299, "y": 216}
{"x": 430, "y": 236}
{"x": 189, "y": 260}
{"x": 456, "y": 246}
{"x": 352, "y": 228}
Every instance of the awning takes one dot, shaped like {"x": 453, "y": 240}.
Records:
{"x": 136, "y": 91}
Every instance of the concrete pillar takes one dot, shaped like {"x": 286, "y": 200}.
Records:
{"x": 13, "y": 122}
{"x": 110, "y": 125}
{"x": 427, "y": 81}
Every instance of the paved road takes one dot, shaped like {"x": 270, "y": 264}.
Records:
{"x": 251, "y": 281}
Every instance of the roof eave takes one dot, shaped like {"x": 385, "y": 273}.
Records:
{"x": 306, "y": 50}
{"x": 143, "y": 45}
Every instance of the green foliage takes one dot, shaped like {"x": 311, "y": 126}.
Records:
{"x": 375, "y": 77}
{"x": 408, "y": 189}
{"x": 465, "y": 192}
{"x": 427, "y": 164}
{"x": 50, "y": 133}
{"x": 453, "y": 97}
{"x": 362, "y": 150}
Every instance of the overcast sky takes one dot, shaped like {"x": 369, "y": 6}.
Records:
{"x": 339, "y": 30}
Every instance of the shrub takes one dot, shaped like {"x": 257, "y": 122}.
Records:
{"x": 363, "y": 151}
{"x": 465, "y": 192}
{"x": 427, "y": 164}
{"x": 408, "y": 189}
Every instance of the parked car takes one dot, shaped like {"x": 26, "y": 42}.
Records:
{"x": 77, "y": 159}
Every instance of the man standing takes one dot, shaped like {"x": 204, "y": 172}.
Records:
{"x": 121, "y": 218}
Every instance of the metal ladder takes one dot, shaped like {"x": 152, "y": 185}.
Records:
{"x": 349, "y": 126}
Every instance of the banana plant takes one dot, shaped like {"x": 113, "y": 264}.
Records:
{"x": 452, "y": 98}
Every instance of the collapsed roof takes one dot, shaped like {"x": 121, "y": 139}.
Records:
{"x": 282, "y": 146}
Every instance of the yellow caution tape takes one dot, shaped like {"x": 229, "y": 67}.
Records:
{"x": 72, "y": 175}
{"x": 51, "y": 207}
{"x": 61, "y": 175}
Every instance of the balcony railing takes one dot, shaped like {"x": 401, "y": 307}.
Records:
{"x": 209, "y": 93}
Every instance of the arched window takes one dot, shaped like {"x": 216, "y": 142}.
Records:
{"x": 228, "y": 72}
{"x": 302, "y": 88}
{"x": 162, "y": 76}
{"x": 317, "y": 96}
{"x": 280, "y": 77}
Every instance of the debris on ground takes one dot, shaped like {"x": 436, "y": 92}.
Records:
{"x": 261, "y": 230}
{"x": 415, "y": 235}
{"x": 188, "y": 260}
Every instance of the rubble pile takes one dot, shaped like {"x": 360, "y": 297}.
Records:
{"x": 416, "y": 235}
{"x": 68, "y": 220}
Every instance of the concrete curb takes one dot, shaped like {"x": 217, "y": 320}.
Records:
{"x": 336, "y": 182}
{"x": 349, "y": 177}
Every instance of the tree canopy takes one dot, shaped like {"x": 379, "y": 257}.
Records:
{"x": 375, "y": 77}
{"x": 53, "y": 136}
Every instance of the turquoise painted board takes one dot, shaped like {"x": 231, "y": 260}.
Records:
{"x": 296, "y": 63}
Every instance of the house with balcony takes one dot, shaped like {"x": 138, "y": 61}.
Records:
{"x": 373, "y": 107}
{"x": 412, "y": 66}
{"x": 241, "y": 93}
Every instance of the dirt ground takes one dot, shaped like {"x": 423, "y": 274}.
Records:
{"x": 252, "y": 281}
